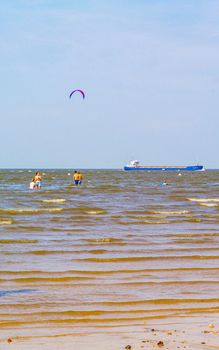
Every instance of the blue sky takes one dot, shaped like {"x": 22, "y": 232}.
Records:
{"x": 149, "y": 69}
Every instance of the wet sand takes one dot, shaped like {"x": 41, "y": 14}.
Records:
{"x": 177, "y": 334}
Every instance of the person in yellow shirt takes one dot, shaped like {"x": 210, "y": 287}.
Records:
{"x": 37, "y": 180}
{"x": 76, "y": 177}
{"x": 80, "y": 177}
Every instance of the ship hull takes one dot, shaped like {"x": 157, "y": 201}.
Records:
{"x": 166, "y": 168}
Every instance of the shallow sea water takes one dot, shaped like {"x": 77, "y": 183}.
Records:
{"x": 118, "y": 251}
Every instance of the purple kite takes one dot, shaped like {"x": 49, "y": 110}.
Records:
{"x": 82, "y": 93}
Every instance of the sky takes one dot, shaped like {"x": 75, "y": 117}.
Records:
{"x": 149, "y": 69}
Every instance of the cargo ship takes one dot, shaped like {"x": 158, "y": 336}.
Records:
{"x": 135, "y": 165}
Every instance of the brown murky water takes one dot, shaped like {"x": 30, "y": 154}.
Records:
{"x": 118, "y": 250}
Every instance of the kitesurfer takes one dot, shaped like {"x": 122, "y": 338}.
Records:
{"x": 77, "y": 90}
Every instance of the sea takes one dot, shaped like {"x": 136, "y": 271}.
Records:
{"x": 118, "y": 251}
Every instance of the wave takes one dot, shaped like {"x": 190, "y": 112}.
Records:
{"x": 173, "y": 212}
{"x": 55, "y": 200}
{"x": 22, "y": 228}
{"x": 91, "y": 281}
{"x": 105, "y": 240}
{"x": 144, "y": 222}
{"x": 44, "y": 275}
{"x": 170, "y": 221}
{"x": 160, "y": 301}
{"x": 142, "y": 258}
{"x": 103, "y": 312}
{"x": 195, "y": 235}
{"x": 154, "y": 222}
{"x": 123, "y": 303}
{"x": 95, "y": 212}
{"x": 47, "y": 252}
{"x": 14, "y": 323}
{"x": 99, "y": 317}
{"x": 6, "y": 221}
{"x": 149, "y": 216}
{"x": 18, "y": 241}
{"x": 48, "y": 279}
{"x": 96, "y": 251}
{"x": 203, "y": 200}
{"x": 105, "y": 272}
{"x": 30, "y": 211}
{"x": 86, "y": 210}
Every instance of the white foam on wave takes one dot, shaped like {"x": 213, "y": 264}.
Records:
{"x": 32, "y": 210}
{"x": 209, "y": 204}
{"x": 203, "y": 200}
{"x": 152, "y": 216}
{"x": 5, "y": 221}
{"x": 95, "y": 212}
{"x": 161, "y": 222}
{"x": 172, "y": 212}
{"x": 55, "y": 200}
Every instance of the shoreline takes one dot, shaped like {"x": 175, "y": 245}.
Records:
{"x": 176, "y": 334}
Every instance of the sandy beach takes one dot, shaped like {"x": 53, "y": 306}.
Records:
{"x": 179, "y": 334}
